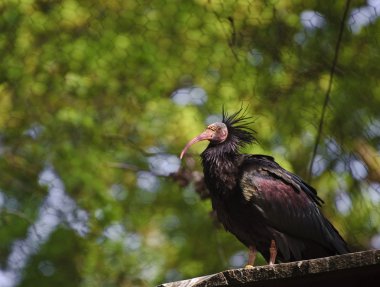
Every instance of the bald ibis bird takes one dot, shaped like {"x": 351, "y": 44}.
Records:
{"x": 267, "y": 208}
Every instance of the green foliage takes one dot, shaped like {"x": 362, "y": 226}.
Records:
{"x": 88, "y": 91}
{"x": 53, "y": 262}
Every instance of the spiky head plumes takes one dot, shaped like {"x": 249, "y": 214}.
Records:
{"x": 226, "y": 136}
{"x": 239, "y": 132}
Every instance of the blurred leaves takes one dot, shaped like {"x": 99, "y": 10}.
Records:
{"x": 105, "y": 94}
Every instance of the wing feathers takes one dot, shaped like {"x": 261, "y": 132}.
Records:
{"x": 289, "y": 206}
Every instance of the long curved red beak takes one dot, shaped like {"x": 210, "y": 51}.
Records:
{"x": 206, "y": 135}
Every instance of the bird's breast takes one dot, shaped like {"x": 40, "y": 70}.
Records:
{"x": 222, "y": 182}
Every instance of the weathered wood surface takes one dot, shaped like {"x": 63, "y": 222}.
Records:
{"x": 354, "y": 269}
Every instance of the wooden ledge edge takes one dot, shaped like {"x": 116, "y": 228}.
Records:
{"x": 293, "y": 270}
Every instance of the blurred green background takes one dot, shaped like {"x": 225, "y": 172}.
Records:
{"x": 97, "y": 99}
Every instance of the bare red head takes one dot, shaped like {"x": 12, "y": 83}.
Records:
{"x": 216, "y": 132}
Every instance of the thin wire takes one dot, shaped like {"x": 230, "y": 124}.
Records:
{"x": 328, "y": 91}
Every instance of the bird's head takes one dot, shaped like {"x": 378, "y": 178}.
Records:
{"x": 215, "y": 133}
{"x": 233, "y": 132}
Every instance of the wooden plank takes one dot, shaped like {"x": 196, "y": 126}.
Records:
{"x": 352, "y": 269}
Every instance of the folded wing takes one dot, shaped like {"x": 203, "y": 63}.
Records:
{"x": 290, "y": 207}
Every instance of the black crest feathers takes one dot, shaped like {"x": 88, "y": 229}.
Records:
{"x": 239, "y": 132}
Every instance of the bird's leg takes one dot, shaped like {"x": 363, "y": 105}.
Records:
{"x": 251, "y": 257}
{"x": 272, "y": 252}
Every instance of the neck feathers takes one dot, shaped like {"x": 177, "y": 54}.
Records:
{"x": 221, "y": 160}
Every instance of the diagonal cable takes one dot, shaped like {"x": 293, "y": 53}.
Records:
{"x": 328, "y": 91}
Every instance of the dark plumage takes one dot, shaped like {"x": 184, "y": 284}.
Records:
{"x": 259, "y": 202}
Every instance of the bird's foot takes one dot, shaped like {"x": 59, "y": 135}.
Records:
{"x": 272, "y": 252}
{"x": 251, "y": 257}
{"x": 248, "y": 266}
